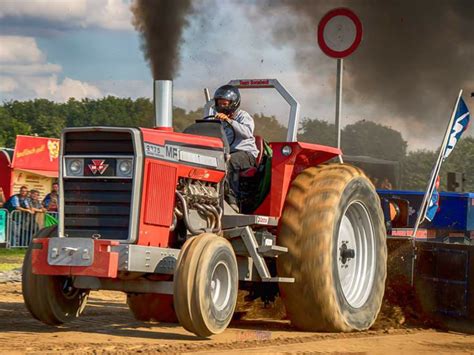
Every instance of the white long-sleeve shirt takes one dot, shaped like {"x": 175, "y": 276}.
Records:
{"x": 244, "y": 126}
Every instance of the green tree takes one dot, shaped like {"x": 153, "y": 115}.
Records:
{"x": 318, "y": 132}
{"x": 183, "y": 119}
{"x": 10, "y": 128}
{"x": 75, "y": 113}
{"x": 142, "y": 112}
{"x": 460, "y": 160}
{"x": 49, "y": 125}
{"x": 416, "y": 169}
{"x": 269, "y": 128}
{"x": 374, "y": 140}
{"x": 40, "y": 114}
{"x": 417, "y": 166}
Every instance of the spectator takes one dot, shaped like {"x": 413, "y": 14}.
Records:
{"x": 386, "y": 184}
{"x": 51, "y": 200}
{"x": 38, "y": 209}
{"x": 19, "y": 202}
{"x": 34, "y": 202}
{"x": 21, "y": 221}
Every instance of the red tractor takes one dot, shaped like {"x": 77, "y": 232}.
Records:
{"x": 142, "y": 211}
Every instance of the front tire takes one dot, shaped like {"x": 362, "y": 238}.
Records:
{"x": 51, "y": 299}
{"x": 333, "y": 227}
{"x": 206, "y": 285}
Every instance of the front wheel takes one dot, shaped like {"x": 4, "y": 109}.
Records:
{"x": 333, "y": 227}
{"x": 51, "y": 299}
{"x": 206, "y": 285}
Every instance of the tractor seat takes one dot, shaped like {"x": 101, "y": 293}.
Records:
{"x": 253, "y": 170}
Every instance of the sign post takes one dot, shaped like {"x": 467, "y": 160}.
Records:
{"x": 340, "y": 65}
{"x": 339, "y": 35}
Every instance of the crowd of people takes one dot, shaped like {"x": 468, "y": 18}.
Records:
{"x": 28, "y": 201}
{"x": 31, "y": 215}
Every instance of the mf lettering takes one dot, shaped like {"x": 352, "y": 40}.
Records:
{"x": 172, "y": 152}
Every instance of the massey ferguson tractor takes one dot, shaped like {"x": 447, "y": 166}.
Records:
{"x": 142, "y": 211}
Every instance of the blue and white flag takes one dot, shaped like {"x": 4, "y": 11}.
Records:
{"x": 457, "y": 125}
{"x": 433, "y": 206}
{"x": 460, "y": 124}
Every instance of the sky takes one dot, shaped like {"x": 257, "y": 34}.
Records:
{"x": 58, "y": 49}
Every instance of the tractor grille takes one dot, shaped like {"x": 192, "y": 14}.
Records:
{"x": 98, "y": 142}
{"x": 97, "y": 205}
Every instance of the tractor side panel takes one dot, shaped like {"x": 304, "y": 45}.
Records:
{"x": 159, "y": 182}
{"x": 159, "y": 200}
{"x": 162, "y": 171}
{"x": 286, "y": 168}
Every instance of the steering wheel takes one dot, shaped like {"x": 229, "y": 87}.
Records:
{"x": 225, "y": 124}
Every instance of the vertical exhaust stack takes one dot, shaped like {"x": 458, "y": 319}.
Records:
{"x": 163, "y": 101}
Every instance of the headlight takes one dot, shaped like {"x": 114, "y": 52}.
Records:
{"x": 74, "y": 167}
{"x": 124, "y": 167}
{"x": 286, "y": 150}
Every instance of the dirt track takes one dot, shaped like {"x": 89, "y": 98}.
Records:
{"x": 108, "y": 326}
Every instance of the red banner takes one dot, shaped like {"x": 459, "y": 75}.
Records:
{"x": 36, "y": 153}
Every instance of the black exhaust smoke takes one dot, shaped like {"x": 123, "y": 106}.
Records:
{"x": 414, "y": 57}
{"x": 161, "y": 24}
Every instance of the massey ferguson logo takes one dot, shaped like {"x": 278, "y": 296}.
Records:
{"x": 98, "y": 166}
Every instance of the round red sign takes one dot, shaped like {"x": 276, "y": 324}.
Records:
{"x": 339, "y": 33}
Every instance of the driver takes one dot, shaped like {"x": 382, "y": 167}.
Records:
{"x": 243, "y": 150}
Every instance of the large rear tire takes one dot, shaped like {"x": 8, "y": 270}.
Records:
{"x": 333, "y": 227}
{"x": 51, "y": 299}
{"x": 152, "y": 307}
{"x": 206, "y": 285}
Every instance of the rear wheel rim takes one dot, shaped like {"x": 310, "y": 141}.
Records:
{"x": 356, "y": 262}
{"x": 220, "y": 286}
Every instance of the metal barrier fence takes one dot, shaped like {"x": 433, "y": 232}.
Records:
{"x": 22, "y": 226}
{"x": 4, "y": 226}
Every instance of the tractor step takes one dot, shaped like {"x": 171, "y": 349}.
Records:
{"x": 280, "y": 279}
{"x": 243, "y": 220}
{"x": 271, "y": 250}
